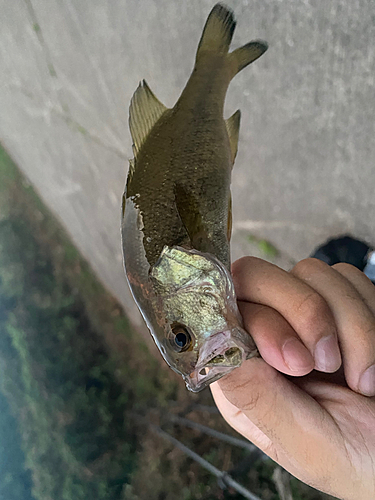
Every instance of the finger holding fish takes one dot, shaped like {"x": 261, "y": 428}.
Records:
{"x": 312, "y": 324}
{"x": 270, "y": 303}
{"x": 278, "y": 343}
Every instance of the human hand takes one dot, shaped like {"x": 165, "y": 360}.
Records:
{"x": 318, "y": 425}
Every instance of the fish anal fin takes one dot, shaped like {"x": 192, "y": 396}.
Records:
{"x": 145, "y": 110}
{"x": 233, "y": 129}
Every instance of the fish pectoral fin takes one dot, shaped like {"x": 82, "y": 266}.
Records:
{"x": 145, "y": 110}
{"x": 233, "y": 129}
{"x": 190, "y": 216}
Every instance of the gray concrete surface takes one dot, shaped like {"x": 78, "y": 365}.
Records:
{"x": 305, "y": 168}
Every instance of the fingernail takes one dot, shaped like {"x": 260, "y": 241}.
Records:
{"x": 367, "y": 382}
{"x": 296, "y": 356}
{"x": 327, "y": 354}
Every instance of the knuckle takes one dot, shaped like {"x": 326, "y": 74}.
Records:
{"x": 311, "y": 307}
{"x": 258, "y": 313}
{"x": 312, "y": 303}
{"x": 307, "y": 267}
{"x": 314, "y": 313}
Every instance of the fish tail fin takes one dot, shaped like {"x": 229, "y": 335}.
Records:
{"x": 218, "y": 31}
{"x": 217, "y": 36}
{"x": 245, "y": 55}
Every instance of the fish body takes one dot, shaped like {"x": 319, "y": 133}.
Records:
{"x": 176, "y": 216}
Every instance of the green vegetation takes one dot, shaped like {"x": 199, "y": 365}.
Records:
{"x": 55, "y": 366}
{"x": 59, "y": 377}
{"x": 15, "y": 481}
{"x": 264, "y": 246}
{"x": 76, "y": 378}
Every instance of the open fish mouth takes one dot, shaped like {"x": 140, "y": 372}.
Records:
{"x": 219, "y": 355}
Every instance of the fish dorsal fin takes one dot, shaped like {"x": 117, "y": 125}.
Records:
{"x": 233, "y": 129}
{"x": 145, "y": 110}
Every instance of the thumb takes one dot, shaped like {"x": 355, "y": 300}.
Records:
{"x": 263, "y": 395}
{"x": 300, "y": 432}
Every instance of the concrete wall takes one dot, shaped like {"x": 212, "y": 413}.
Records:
{"x": 305, "y": 168}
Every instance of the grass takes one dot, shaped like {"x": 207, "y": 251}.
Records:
{"x": 57, "y": 370}
{"x": 265, "y": 247}
{"x": 74, "y": 378}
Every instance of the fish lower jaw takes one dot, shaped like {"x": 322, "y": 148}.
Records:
{"x": 220, "y": 356}
{"x": 202, "y": 377}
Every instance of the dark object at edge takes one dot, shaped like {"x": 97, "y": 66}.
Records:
{"x": 344, "y": 249}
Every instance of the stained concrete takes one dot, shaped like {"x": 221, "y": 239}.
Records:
{"x": 305, "y": 167}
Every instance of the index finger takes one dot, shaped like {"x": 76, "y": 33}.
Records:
{"x": 302, "y": 306}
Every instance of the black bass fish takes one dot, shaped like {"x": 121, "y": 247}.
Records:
{"x": 176, "y": 213}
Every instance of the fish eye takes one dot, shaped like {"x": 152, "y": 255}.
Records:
{"x": 180, "y": 338}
